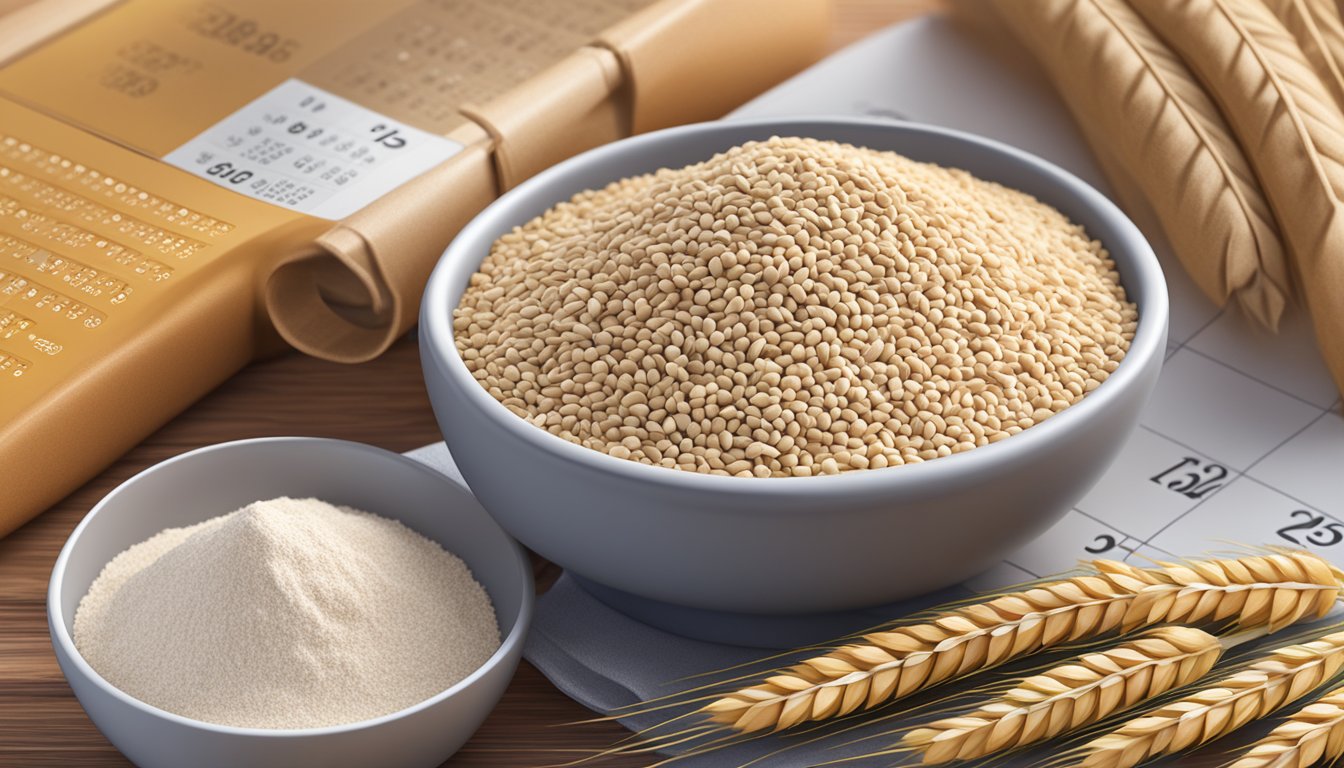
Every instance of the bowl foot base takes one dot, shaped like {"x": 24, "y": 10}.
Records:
{"x": 749, "y": 630}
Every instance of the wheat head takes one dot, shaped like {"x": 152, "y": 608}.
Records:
{"x": 1263, "y": 590}
{"x": 1271, "y": 591}
{"x": 1285, "y": 675}
{"x": 1311, "y": 735}
{"x": 1081, "y": 691}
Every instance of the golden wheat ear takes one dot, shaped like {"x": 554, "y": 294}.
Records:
{"x": 1313, "y": 735}
{"x": 1079, "y": 692}
{"x": 1272, "y": 591}
{"x": 1261, "y": 688}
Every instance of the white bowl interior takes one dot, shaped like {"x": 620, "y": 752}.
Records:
{"x": 219, "y": 479}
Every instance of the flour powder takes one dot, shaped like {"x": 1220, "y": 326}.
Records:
{"x": 288, "y": 613}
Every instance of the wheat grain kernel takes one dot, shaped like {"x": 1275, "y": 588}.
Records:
{"x": 794, "y": 307}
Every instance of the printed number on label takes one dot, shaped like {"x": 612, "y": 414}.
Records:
{"x": 227, "y": 172}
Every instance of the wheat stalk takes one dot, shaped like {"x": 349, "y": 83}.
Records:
{"x": 1263, "y": 590}
{"x": 1285, "y": 675}
{"x": 1068, "y": 696}
{"x": 1311, "y": 735}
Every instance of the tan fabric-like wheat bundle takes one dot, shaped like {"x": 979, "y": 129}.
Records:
{"x": 1316, "y": 26}
{"x": 1276, "y": 103}
{"x": 1228, "y": 116}
{"x": 1330, "y": 23}
{"x": 1142, "y": 110}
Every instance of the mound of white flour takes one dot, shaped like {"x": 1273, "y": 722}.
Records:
{"x": 288, "y": 613}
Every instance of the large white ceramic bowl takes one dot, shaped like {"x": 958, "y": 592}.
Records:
{"x": 216, "y": 480}
{"x": 785, "y": 545}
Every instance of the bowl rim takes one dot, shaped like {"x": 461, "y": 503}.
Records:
{"x": 1146, "y": 276}
{"x": 65, "y": 642}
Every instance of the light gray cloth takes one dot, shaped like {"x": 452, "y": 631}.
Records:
{"x": 609, "y": 662}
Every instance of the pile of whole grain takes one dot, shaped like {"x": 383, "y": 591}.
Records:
{"x": 794, "y": 307}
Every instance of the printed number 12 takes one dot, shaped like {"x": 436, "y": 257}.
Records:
{"x": 1197, "y": 483}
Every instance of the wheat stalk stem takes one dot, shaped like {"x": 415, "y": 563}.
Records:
{"x": 1080, "y": 691}
{"x": 1285, "y": 675}
{"x": 1264, "y": 590}
{"x": 1311, "y": 735}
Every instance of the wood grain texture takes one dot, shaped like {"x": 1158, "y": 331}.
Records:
{"x": 382, "y": 403}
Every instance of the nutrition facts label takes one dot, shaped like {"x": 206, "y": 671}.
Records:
{"x": 310, "y": 151}
{"x": 1242, "y": 442}
{"x": 63, "y": 273}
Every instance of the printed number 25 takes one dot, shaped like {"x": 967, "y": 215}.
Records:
{"x": 1313, "y": 528}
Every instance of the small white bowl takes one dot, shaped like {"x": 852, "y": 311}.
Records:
{"x": 218, "y": 479}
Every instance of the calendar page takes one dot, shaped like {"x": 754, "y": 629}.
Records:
{"x": 1242, "y": 442}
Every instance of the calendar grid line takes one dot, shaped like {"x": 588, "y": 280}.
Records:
{"x": 1253, "y": 377}
{"x": 1166, "y": 552}
{"x": 1182, "y": 444}
{"x": 1148, "y": 541}
{"x": 1178, "y": 518}
{"x": 1284, "y": 442}
{"x": 1294, "y": 499}
{"x": 1187, "y": 447}
{"x": 1094, "y": 518}
{"x": 1026, "y": 570}
{"x": 1241, "y": 473}
{"x": 1178, "y": 346}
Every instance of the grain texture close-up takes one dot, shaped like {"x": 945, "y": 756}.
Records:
{"x": 794, "y": 307}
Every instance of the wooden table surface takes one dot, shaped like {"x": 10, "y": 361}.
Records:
{"x": 382, "y": 403}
